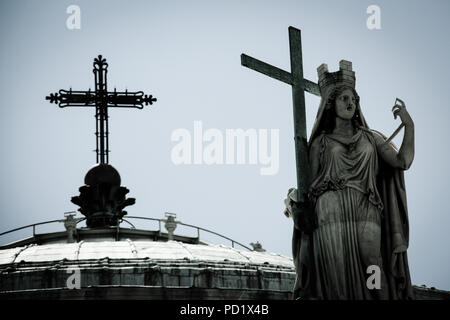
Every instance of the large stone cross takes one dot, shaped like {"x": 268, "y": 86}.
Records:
{"x": 299, "y": 86}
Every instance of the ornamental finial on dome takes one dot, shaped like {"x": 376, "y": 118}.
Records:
{"x": 102, "y": 199}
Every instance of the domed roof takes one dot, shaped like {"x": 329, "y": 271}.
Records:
{"x": 153, "y": 250}
{"x": 139, "y": 269}
{"x": 132, "y": 263}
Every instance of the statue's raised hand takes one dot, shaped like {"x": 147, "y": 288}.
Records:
{"x": 400, "y": 111}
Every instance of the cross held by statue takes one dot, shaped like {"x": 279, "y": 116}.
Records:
{"x": 101, "y": 99}
{"x": 299, "y": 86}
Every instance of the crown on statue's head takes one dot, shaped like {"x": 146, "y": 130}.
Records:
{"x": 345, "y": 76}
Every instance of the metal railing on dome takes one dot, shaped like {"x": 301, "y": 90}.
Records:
{"x": 233, "y": 242}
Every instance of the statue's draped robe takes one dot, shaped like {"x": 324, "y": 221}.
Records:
{"x": 358, "y": 200}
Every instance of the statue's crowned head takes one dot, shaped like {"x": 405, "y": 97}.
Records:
{"x": 332, "y": 85}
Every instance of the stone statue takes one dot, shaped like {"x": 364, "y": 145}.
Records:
{"x": 354, "y": 226}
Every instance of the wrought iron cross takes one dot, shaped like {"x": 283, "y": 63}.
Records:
{"x": 299, "y": 86}
{"x": 101, "y": 99}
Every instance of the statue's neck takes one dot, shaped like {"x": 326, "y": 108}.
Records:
{"x": 344, "y": 127}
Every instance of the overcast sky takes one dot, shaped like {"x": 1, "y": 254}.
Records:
{"x": 187, "y": 54}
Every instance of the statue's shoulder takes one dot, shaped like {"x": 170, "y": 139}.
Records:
{"x": 377, "y": 136}
{"x": 317, "y": 139}
{"x": 316, "y": 143}
{"x": 380, "y": 139}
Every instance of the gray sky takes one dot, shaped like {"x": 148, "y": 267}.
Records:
{"x": 187, "y": 54}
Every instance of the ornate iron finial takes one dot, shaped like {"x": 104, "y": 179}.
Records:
{"x": 101, "y": 199}
{"x": 101, "y": 99}
{"x": 148, "y": 99}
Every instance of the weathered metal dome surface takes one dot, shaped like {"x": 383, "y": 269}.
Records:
{"x": 150, "y": 250}
{"x": 142, "y": 269}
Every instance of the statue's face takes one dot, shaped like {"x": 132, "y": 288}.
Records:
{"x": 345, "y": 105}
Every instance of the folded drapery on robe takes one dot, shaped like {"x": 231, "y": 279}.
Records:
{"x": 394, "y": 238}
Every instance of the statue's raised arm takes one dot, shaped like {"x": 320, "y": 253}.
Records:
{"x": 405, "y": 156}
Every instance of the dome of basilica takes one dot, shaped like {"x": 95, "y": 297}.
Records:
{"x": 129, "y": 263}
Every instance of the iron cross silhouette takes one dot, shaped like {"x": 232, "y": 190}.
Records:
{"x": 299, "y": 86}
{"x": 101, "y": 99}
